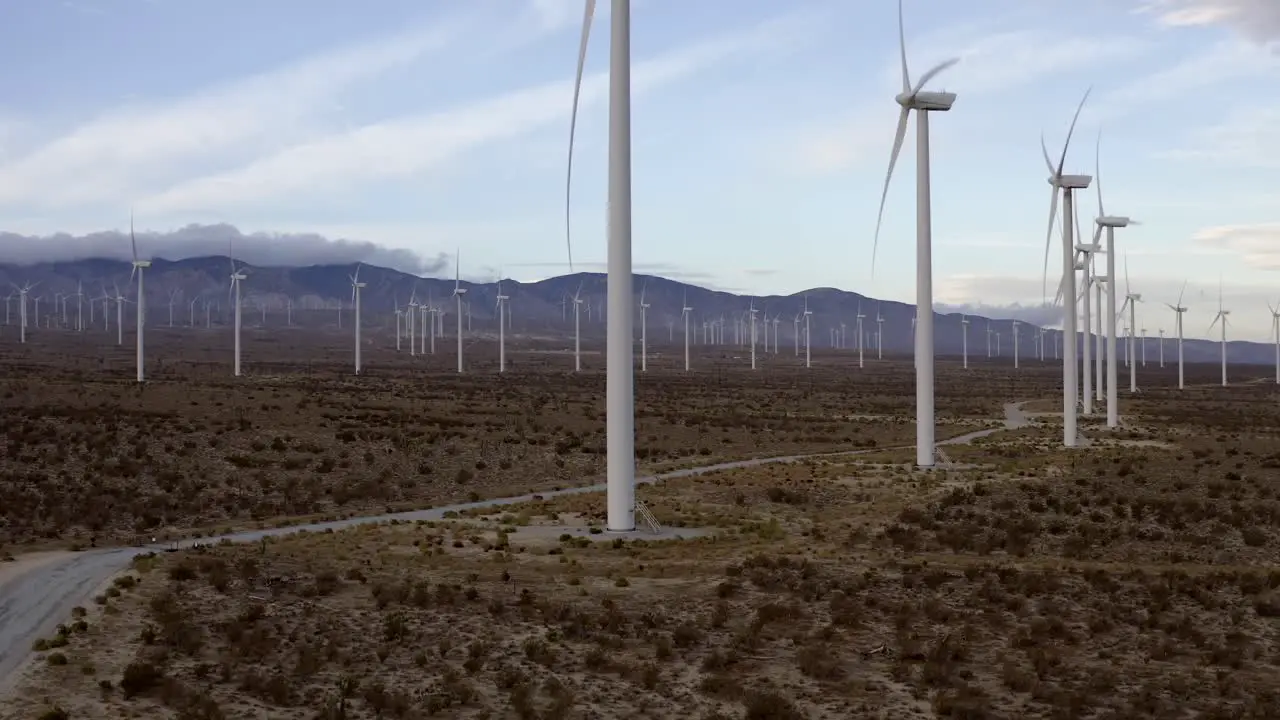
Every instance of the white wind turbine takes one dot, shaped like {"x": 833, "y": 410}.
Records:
{"x": 80, "y": 308}
{"x": 644, "y": 329}
{"x": 619, "y": 359}
{"x": 879, "y": 334}
{"x": 807, "y": 314}
{"x": 1222, "y": 316}
{"x": 233, "y": 296}
{"x": 1068, "y": 184}
{"x": 501, "y": 304}
{"x": 752, "y": 310}
{"x": 577, "y": 328}
{"x": 1015, "y": 344}
{"x": 413, "y": 322}
{"x": 173, "y": 296}
{"x": 138, "y": 267}
{"x": 191, "y": 312}
{"x": 458, "y": 292}
{"x": 964, "y": 339}
{"x": 22, "y": 309}
{"x": 923, "y": 103}
{"x": 120, "y": 301}
{"x": 685, "y": 312}
{"x": 1275, "y": 336}
{"x": 1110, "y": 223}
{"x": 859, "y": 317}
{"x": 356, "y": 287}
{"x": 1131, "y": 300}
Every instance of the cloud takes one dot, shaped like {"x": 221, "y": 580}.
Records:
{"x": 108, "y": 157}
{"x": 1041, "y": 315}
{"x": 1247, "y": 137}
{"x": 1257, "y": 245}
{"x": 261, "y": 249}
{"x": 1257, "y": 20}
{"x": 404, "y": 147}
{"x": 1216, "y": 65}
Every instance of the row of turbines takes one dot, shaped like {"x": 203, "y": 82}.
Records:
{"x": 620, "y": 401}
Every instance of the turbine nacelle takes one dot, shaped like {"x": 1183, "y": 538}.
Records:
{"x": 926, "y": 100}
{"x": 1114, "y": 221}
{"x": 1071, "y": 182}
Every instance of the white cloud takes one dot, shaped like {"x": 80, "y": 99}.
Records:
{"x": 1257, "y": 245}
{"x": 1248, "y": 137}
{"x": 107, "y": 156}
{"x": 407, "y": 146}
{"x": 1218, "y": 64}
{"x": 1256, "y": 19}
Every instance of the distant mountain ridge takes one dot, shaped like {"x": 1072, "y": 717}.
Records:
{"x": 541, "y": 307}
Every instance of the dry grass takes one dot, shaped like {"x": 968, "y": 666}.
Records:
{"x": 88, "y": 458}
{"x": 1122, "y": 581}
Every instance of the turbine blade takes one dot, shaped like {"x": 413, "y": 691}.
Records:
{"x": 589, "y": 10}
{"x": 1097, "y": 173}
{"x": 902, "y": 48}
{"x": 933, "y": 73}
{"x": 1182, "y": 292}
{"x": 132, "y": 240}
{"x": 1072, "y": 129}
{"x": 1047, "y": 162}
{"x": 1048, "y": 238}
{"x": 893, "y": 160}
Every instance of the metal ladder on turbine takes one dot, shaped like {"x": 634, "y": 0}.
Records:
{"x": 647, "y": 517}
{"x": 942, "y": 457}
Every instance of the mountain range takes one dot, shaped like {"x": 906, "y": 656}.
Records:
{"x": 537, "y": 307}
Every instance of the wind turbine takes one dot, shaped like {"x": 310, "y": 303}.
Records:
{"x": 1068, "y": 184}
{"x": 964, "y": 339}
{"x": 1275, "y": 334}
{"x": 685, "y": 312}
{"x": 501, "y": 304}
{"x": 1160, "y": 346}
{"x": 644, "y": 329}
{"x": 138, "y": 267}
{"x": 1110, "y": 223}
{"x": 753, "y": 312}
{"x": 120, "y": 301}
{"x": 807, "y": 314}
{"x": 191, "y": 312}
{"x": 413, "y": 322}
{"x": 879, "y": 334}
{"x": 1131, "y": 300}
{"x": 1222, "y": 315}
{"x": 923, "y": 103}
{"x": 237, "y": 277}
{"x": 577, "y": 329}
{"x": 356, "y": 287}
{"x": 22, "y": 309}
{"x": 1015, "y": 344}
{"x": 861, "y": 338}
{"x": 173, "y": 295}
{"x": 619, "y": 377}
{"x": 458, "y": 292}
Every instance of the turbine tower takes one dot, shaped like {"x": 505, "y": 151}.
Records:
{"x": 685, "y": 312}
{"x": 1110, "y": 223}
{"x": 501, "y": 305}
{"x": 577, "y": 329}
{"x": 923, "y": 103}
{"x": 752, "y": 310}
{"x": 1222, "y": 316}
{"x": 237, "y": 277}
{"x": 458, "y": 292}
{"x": 1131, "y": 300}
{"x": 356, "y": 287}
{"x": 861, "y": 337}
{"x": 1068, "y": 184}
{"x": 138, "y": 267}
{"x": 619, "y": 377}
{"x": 807, "y": 314}
{"x": 644, "y": 329}
{"x": 964, "y": 339}
{"x": 1275, "y": 335}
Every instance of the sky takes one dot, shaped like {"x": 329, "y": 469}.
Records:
{"x": 415, "y": 129}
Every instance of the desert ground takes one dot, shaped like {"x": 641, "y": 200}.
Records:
{"x": 1132, "y": 578}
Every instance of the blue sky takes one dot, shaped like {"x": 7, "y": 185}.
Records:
{"x": 761, "y": 134}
